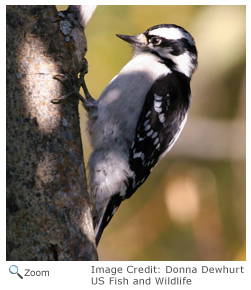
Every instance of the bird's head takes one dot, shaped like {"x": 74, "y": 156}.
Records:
{"x": 171, "y": 43}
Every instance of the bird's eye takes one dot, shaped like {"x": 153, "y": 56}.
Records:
{"x": 155, "y": 40}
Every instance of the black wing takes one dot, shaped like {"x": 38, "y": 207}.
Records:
{"x": 159, "y": 124}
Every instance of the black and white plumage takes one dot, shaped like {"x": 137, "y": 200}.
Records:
{"x": 138, "y": 117}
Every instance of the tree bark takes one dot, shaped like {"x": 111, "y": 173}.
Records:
{"x": 48, "y": 210}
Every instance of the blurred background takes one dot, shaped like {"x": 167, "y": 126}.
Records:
{"x": 193, "y": 205}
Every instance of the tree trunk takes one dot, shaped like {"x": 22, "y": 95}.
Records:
{"x": 48, "y": 210}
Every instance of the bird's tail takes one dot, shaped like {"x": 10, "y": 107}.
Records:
{"x": 104, "y": 215}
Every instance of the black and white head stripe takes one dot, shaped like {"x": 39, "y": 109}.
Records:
{"x": 174, "y": 32}
{"x": 174, "y": 45}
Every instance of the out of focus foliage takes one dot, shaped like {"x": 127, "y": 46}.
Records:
{"x": 192, "y": 207}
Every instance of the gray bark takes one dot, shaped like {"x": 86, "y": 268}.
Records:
{"x": 48, "y": 210}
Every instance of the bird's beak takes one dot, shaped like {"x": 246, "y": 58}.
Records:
{"x": 134, "y": 40}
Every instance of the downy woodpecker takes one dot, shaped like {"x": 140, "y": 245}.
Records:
{"x": 138, "y": 116}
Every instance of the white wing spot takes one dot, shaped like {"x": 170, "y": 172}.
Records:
{"x": 158, "y": 110}
{"x": 147, "y": 127}
{"x": 150, "y": 133}
{"x": 137, "y": 155}
{"x": 157, "y": 98}
{"x": 162, "y": 118}
{"x": 146, "y": 122}
{"x": 148, "y": 113}
{"x": 156, "y": 141}
{"x": 157, "y": 104}
{"x": 154, "y": 135}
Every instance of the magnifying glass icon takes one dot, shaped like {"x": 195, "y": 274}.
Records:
{"x": 14, "y": 270}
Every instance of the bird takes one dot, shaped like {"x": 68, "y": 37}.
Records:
{"x": 138, "y": 116}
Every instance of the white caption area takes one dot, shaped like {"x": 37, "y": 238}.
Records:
{"x": 137, "y": 275}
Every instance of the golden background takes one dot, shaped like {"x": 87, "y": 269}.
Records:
{"x": 192, "y": 207}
